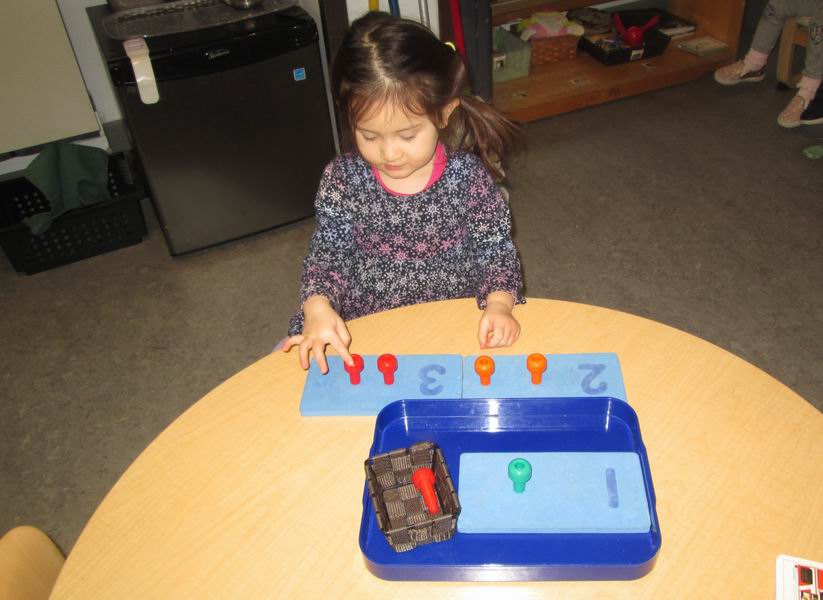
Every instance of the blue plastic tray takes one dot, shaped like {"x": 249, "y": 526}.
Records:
{"x": 513, "y": 425}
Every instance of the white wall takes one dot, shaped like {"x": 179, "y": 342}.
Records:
{"x": 72, "y": 9}
{"x": 88, "y": 57}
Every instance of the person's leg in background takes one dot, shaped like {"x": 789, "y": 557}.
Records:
{"x": 813, "y": 115}
{"x": 769, "y": 28}
{"x": 813, "y": 71}
{"x": 752, "y": 66}
{"x": 792, "y": 115}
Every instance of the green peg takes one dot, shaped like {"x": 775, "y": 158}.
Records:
{"x": 520, "y": 471}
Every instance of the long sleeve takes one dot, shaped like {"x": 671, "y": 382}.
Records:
{"x": 498, "y": 266}
{"x": 327, "y": 266}
{"x": 373, "y": 250}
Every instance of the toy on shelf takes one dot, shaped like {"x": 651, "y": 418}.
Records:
{"x": 547, "y": 24}
{"x": 593, "y": 20}
{"x": 634, "y": 35}
{"x": 552, "y": 36}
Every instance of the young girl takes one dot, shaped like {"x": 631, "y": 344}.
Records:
{"x": 752, "y": 67}
{"x": 413, "y": 215}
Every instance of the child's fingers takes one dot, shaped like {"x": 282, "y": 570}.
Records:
{"x": 289, "y": 342}
{"x": 344, "y": 334}
{"x": 305, "y": 346}
{"x": 513, "y": 337}
{"x": 343, "y": 352}
{"x": 496, "y": 338}
{"x": 345, "y": 342}
{"x": 483, "y": 333}
{"x": 320, "y": 356}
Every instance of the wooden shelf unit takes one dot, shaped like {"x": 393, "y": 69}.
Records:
{"x": 565, "y": 86}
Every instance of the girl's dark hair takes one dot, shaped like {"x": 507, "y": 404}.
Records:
{"x": 388, "y": 60}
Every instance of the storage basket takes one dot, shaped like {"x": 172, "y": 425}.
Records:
{"x": 554, "y": 49}
{"x": 74, "y": 235}
{"x": 654, "y": 44}
{"x": 511, "y": 58}
{"x": 398, "y": 506}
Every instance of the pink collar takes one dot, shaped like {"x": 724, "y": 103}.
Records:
{"x": 440, "y": 160}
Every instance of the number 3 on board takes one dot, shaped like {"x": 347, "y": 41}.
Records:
{"x": 427, "y": 387}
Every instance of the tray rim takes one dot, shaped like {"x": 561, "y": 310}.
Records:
{"x": 514, "y": 571}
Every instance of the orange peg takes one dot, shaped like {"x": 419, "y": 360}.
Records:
{"x": 484, "y": 366}
{"x": 536, "y": 364}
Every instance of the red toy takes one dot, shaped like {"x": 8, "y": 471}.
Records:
{"x": 423, "y": 480}
{"x": 633, "y": 36}
{"x": 387, "y": 364}
{"x": 355, "y": 369}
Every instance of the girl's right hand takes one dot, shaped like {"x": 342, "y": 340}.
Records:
{"x": 321, "y": 326}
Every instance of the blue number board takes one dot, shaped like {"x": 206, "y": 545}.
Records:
{"x": 450, "y": 376}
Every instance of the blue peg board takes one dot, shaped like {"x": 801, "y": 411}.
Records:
{"x": 566, "y": 375}
{"x": 450, "y": 376}
{"x": 569, "y": 492}
{"x": 418, "y": 376}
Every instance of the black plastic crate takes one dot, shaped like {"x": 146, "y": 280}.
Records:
{"x": 654, "y": 42}
{"x": 399, "y": 508}
{"x": 77, "y": 234}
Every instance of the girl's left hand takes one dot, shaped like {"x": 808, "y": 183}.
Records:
{"x": 498, "y": 327}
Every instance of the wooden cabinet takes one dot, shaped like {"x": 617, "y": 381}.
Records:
{"x": 561, "y": 87}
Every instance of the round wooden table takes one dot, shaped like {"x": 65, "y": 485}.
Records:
{"x": 241, "y": 497}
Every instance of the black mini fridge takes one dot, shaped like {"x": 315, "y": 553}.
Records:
{"x": 238, "y": 140}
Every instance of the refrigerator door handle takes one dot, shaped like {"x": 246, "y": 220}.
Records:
{"x": 138, "y": 53}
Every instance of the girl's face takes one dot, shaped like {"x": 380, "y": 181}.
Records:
{"x": 399, "y": 144}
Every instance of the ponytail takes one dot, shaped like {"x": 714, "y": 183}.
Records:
{"x": 479, "y": 128}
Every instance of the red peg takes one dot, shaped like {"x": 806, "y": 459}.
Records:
{"x": 355, "y": 369}
{"x": 423, "y": 480}
{"x": 387, "y": 364}
{"x": 536, "y": 364}
{"x": 484, "y": 366}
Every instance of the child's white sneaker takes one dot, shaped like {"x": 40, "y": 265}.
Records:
{"x": 738, "y": 73}
{"x": 790, "y": 117}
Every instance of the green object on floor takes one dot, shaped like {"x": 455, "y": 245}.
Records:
{"x": 814, "y": 151}
{"x": 69, "y": 176}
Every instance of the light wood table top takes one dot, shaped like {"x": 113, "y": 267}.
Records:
{"x": 241, "y": 497}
